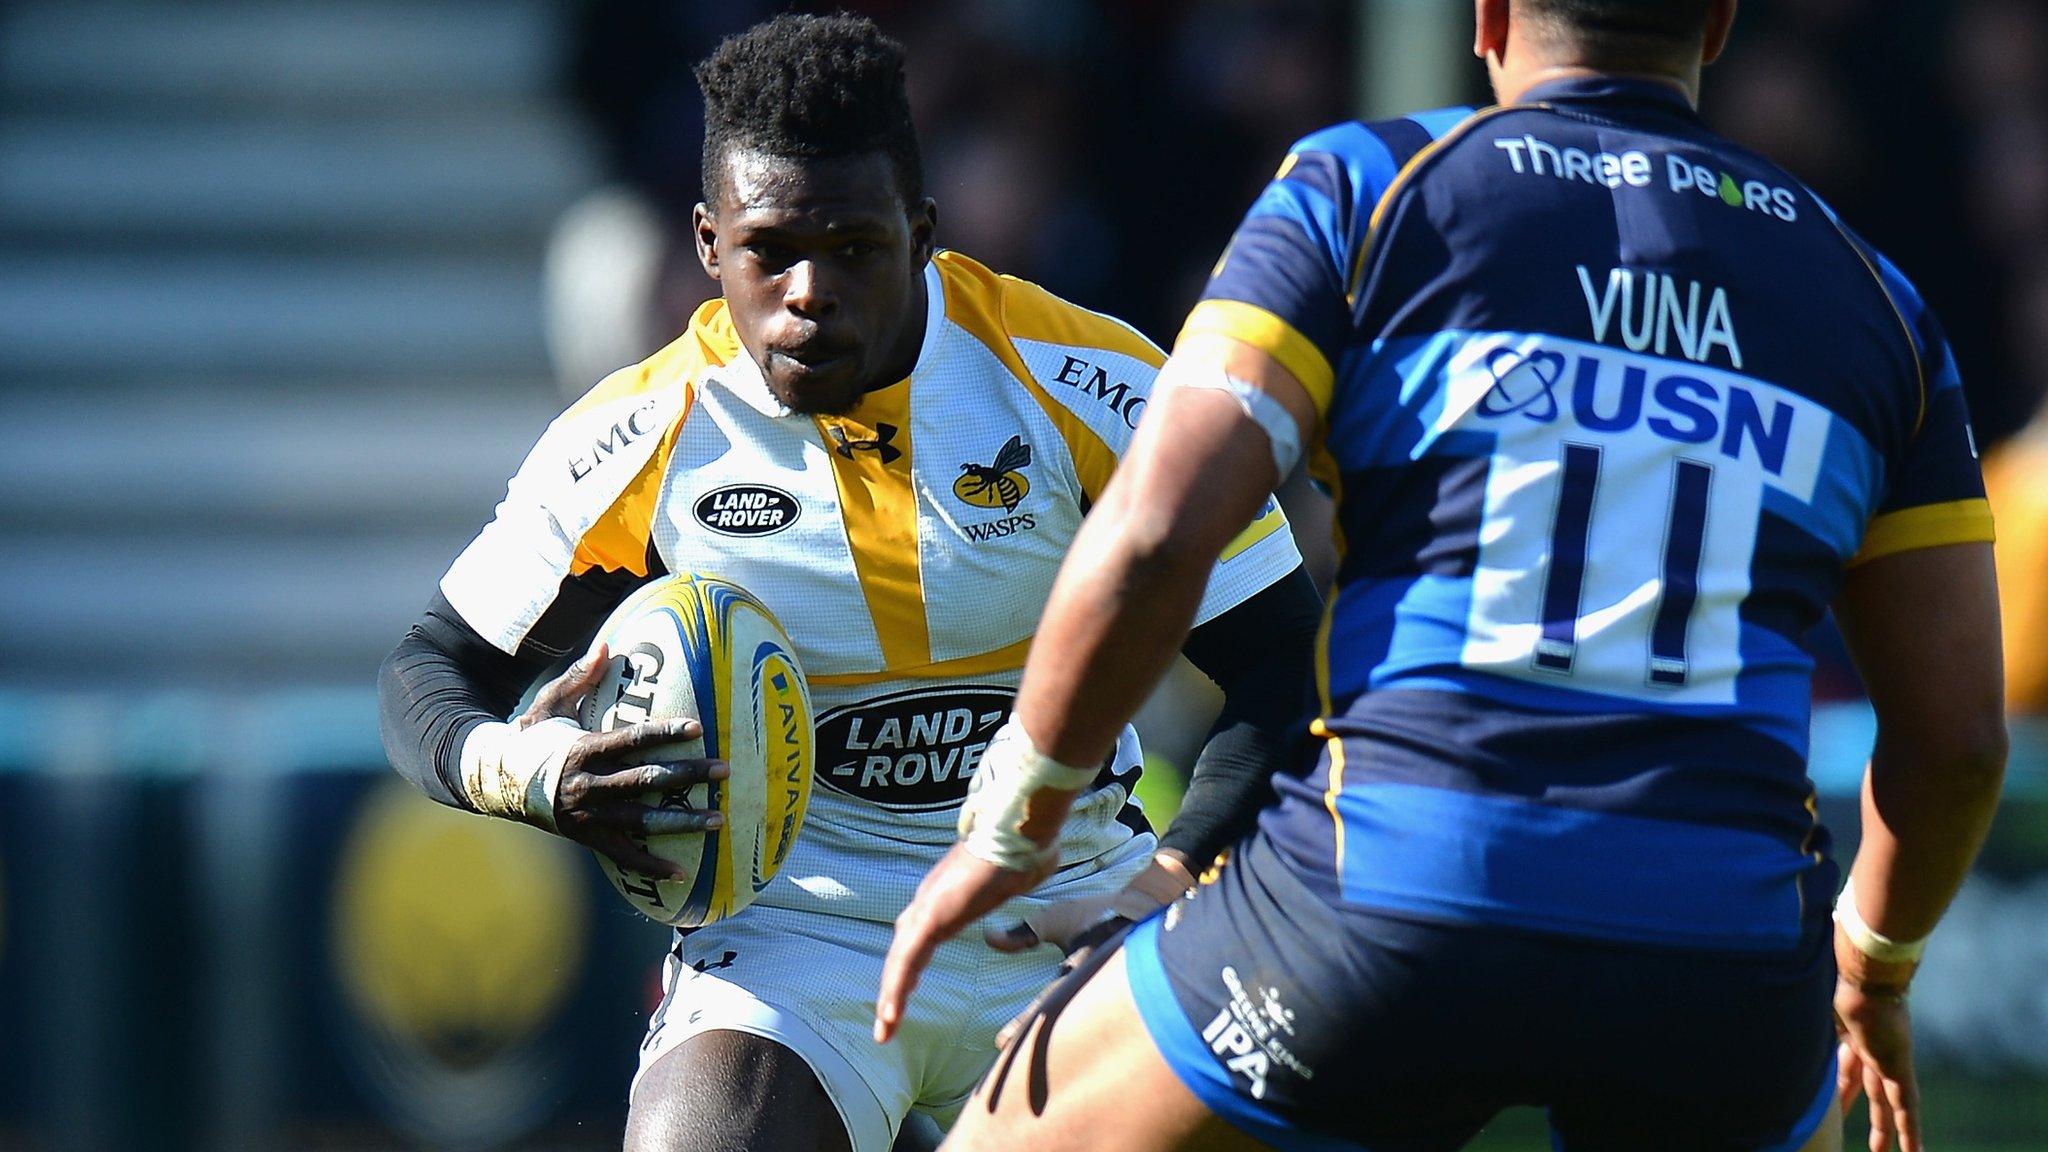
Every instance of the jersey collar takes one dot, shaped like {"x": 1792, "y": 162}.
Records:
{"x": 1609, "y": 90}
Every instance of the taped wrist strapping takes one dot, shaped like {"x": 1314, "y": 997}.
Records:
{"x": 514, "y": 772}
{"x": 1272, "y": 417}
{"x": 992, "y": 820}
{"x": 1883, "y": 949}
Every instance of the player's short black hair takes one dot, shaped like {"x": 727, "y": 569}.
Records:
{"x": 1601, "y": 22}
{"x": 809, "y": 86}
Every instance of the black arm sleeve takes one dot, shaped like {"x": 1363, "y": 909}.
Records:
{"x": 445, "y": 678}
{"x": 1262, "y": 654}
{"x": 442, "y": 680}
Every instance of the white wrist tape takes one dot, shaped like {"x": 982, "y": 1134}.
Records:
{"x": 1269, "y": 414}
{"x": 514, "y": 772}
{"x": 992, "y": 820}
{"x": 1883, "y": 949}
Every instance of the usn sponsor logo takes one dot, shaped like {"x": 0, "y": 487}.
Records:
{"x": 614, "y": 439}
{"x": 747, "y": 510}
{"x": 1530, "y": 156}
{"x": 1093, "y": 380}
{"x": 913, "y": 751}
{"x": 1652, "y": 312}
{"x": 1610, "y": 394}
{"x": 1249, "y": 1035}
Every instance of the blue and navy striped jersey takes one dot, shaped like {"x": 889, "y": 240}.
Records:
{"x": 1609, "y": 405}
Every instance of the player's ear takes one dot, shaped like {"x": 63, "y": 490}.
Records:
{"x": 1720, "y": 23}
{"x": 924, "y": 228}
{"x": 1490, "y": 40}
{"x": 704, "y": 228}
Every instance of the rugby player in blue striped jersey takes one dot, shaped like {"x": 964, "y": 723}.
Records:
{"x": 1614, "y": 412}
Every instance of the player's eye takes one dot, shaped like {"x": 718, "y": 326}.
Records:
{"x": 857, "y": 249}
{"x": 772, "y": 256}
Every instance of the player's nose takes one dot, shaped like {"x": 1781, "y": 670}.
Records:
{"x": 806, "y": 293}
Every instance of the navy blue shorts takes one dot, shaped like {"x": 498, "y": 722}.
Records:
{"x": 1312, "y": 1027}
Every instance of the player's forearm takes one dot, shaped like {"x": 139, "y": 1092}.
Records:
{"x": 1134, "y": 578}
{"x": 1926, "y": 812}
{"x": 1113, "y": 624}
{"x": 438, "y": 684}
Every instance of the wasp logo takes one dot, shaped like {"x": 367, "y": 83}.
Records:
{"x": 879, "y": 444}
{"x": 998, "y": 485}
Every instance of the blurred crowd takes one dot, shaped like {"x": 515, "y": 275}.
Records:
{"x": 1107, "y": 147}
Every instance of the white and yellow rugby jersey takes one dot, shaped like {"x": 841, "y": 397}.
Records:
{"x": 908, "y": 547}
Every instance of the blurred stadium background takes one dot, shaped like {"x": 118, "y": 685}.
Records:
{"x": 288, "y": 287}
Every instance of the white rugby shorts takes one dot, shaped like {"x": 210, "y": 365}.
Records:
{"x": 808, "y": 982}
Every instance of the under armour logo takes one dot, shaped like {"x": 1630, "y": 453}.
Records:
{"x": 880, "y": 444}
{"x": 724, "y": 962}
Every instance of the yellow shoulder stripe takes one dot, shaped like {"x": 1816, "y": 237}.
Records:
{"x": 1928, "y": 526}
{"x": 1253, "y": 325}
{"x": 1031, "y": 313}
{"x": 977, "y": 300}
{"x": 618, "y": 541}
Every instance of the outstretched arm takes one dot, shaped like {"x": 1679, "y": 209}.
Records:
{"x": 1196, "y": 473}
{"x": 1936, "y": 682}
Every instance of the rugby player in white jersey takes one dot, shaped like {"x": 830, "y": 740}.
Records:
{"x": 914, "y": 441}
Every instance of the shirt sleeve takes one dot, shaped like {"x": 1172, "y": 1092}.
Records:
{"x": 572, "y": 535}
{"x": 1934, "y": 486}
{"x": 1093, "y": 375}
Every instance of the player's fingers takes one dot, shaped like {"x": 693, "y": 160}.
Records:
{"x": 1904, "y": 1098}
{"x": 1848, "y": 1075}
{"x": 615, "y": 818}
{"x": 1022, "y": 1019}
{"x": 1018, "y": 937}
{"x": 615, "y": 745}
{"x": 632, "y": 858}
{"x": 1880, "y": 1108}
{"x": 909, "y": 951}
{"x": 562, "y": 695}
{"x": 657, "y": 777}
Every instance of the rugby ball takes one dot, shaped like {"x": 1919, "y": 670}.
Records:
{"x": 703, "y": 648}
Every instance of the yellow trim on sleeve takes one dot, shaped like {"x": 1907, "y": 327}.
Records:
{"x": 979, "y": 302}
{"x": 878, "y": 506}
{"x": 1257, "y": 530}
{"x": 618, "y": 541}
{"x": 1928, "y": 526}
{"x": 1253, "y": 325}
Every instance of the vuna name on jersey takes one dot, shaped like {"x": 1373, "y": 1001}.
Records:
{"x": 1653, "y": 312}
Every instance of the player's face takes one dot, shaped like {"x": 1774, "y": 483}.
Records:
{"x": 822, "y": 267}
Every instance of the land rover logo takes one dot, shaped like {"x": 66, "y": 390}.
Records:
{"x": 910, "y": 751}
{"x": 747, "y": 510}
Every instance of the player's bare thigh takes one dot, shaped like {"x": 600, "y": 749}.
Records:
{"x": 1087, "y": 1077}
{"x": 726, "y": 1091}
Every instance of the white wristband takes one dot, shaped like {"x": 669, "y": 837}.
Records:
{"x": 1272, "y": 417}
{"x": 514, "y": 772}
{"x": 1012, "y": 769}
{"x": 1882, "y": 949}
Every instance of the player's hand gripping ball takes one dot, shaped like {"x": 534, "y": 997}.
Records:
{"x": 700, "y": 648}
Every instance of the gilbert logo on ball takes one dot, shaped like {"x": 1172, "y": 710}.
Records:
{"x": 700, "y": 647}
